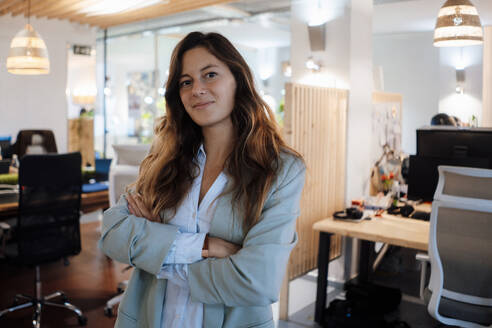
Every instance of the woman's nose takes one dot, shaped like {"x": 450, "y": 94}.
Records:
{"x": 199, "y": 88}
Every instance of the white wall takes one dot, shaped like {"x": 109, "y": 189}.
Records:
{"x": 410, "y": 67}
{"x": 359, "y": 130}
{"x": 469, "y": 103}
{"x": 487, "y": 77}
{"x": 32, "y": 102}
{"x": 81, "y": 81}
{"x": 335, "y": 60}
{"x": 426, "y": 77}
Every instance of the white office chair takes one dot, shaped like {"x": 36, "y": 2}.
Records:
{"x": 460, "y": 248}
{"x": 123, "y": 171}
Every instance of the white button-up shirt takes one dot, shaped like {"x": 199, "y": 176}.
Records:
{"x": 194, "y": 223}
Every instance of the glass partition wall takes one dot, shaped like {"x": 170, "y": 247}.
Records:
{"x": 137, "y": 67}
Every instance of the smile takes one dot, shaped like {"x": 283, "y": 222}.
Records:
{"x": 202, "y": 105}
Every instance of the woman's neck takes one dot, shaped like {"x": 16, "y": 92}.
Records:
{"x": 218, "y": 142}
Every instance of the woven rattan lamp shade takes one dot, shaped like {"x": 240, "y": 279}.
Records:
{"x": 28, "y": 54}
{"x": 458, "y": 24}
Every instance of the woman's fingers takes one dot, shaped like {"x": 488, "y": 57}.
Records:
{"x": 145, "y": 212}
{"x": 136, "y": 207}
{"x": 133, "y": 206}
{"x": 220, "y": 248}
{"x": 129, "y": 202}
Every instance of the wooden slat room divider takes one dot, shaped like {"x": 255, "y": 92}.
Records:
{"x": 81, "y": 138}
{"x": 315, "y": 126}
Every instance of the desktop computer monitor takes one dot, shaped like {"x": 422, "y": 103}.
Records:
{"x": 446, "y": 146}
{"x": 5, "y": 148}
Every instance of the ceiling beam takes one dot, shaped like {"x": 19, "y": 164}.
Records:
{"x": 7, "y": 4}
{"x": 36, "y": 7}
{"x": 60, "y": 4}
{"x": 73, "y": 10}
{"x": 150, "y": 12}
{"x": 70, "y": 10}
{"x": 21, "y": 8}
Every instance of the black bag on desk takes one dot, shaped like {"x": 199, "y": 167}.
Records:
{"x": 370, "y": 298}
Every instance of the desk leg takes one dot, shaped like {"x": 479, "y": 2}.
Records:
{"x": 323, "y": 259}
{"x": 365, "y": 252}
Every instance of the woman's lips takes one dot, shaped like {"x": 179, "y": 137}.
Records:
{"x": 202, "y": 105}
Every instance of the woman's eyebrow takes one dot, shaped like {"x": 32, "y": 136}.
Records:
{"x": 201, "y": 70}
{"x": 208, "y": 66}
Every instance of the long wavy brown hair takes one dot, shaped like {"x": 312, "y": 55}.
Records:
{"x": 167, "y": 173}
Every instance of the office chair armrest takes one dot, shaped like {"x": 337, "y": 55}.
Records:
{"x": 422, "y": 257}
{"x": 424, "y": 260}
{"x": 4, "y": 226}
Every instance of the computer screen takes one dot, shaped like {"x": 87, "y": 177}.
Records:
{"x": 452, "y": 142}
{"x": 446, "y": 146}
{"x": 4, "y": 146}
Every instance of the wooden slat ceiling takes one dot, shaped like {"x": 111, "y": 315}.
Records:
{"x": 73, "y": 10}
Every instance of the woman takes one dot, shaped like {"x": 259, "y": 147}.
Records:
{"x": 211, "y": 223}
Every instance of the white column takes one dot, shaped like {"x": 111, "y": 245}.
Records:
{"x": 487, "y": 78}
{"x": 360, "y": 100}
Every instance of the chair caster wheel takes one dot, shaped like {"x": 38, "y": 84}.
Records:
{"x": 108, "y": 312}
{"x": 82, "y": 321}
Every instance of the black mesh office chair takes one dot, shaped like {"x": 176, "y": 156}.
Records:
{"x": 34, "y": 142}
{"x": 48, "y": 227}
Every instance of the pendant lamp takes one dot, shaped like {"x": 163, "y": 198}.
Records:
{"x": 28, "y": 54}
{"x": 458, "y": 25}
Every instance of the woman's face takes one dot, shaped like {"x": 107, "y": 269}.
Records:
{"x": 207, "y": 88}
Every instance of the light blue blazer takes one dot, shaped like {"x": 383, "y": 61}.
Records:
{"x": 237, "y": 291}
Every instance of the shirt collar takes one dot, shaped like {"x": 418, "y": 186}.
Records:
{"x": 201, "y": 152}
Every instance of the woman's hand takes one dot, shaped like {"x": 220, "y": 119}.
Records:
{"x": 220, "y": 248}
{"x": 137, "y": 207}
{"x": 217, "y": 247}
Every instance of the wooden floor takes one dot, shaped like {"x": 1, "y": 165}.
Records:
{"x": 89, "y": 281}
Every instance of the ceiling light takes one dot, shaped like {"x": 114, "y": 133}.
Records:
{"x": 28, "y": 54}
{"x": 286, "y": 69}
{"x": 318, "y": 18}
{"x": 458, "y": 24}
{"x": 319, "y": 14}
{"x": 312, "y": 65}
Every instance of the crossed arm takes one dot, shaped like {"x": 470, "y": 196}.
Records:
{"x": 217, "y": 247}
{"x": 246, "y": 276}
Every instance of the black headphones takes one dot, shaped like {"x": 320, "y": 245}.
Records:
{"x": 406, "y": 210}
{"x": 351, "y": 213}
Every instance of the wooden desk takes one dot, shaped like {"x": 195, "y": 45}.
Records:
{"x": 89, "y": 202}
{"x": 389, "y": 229}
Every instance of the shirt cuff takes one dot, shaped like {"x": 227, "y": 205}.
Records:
{"x": 189, "y": 247}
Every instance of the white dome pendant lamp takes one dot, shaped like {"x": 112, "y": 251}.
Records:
{"x": 28, "y": 54}
{"x": 458, "y": 25}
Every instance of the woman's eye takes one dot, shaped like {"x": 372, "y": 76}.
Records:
{"x": 210, "y": 75}
{"x": 184, "y": 83}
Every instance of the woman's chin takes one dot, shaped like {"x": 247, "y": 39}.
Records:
{"x": 211, "y": 122}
